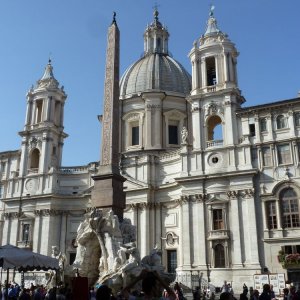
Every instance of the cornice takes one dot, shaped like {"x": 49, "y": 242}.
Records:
{"x": 251, "y": 172}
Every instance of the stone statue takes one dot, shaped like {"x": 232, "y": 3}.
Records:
{"x": 107, "y": 252}
{"x": 132, "y": 265}
{"x": 61, "y": 262}
{"x": 50, "y": 276}
{"x": 184, "y": 135}
{"x": 152, "y": 262}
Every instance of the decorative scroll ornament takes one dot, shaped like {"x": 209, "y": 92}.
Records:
{"x": 171, "y": 238}
{"x": 213, "y": 109}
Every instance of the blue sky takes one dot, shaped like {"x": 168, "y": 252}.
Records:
{"x": 266, "y": 33}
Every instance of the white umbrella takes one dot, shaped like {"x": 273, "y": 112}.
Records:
{"x": 12, "y": 257}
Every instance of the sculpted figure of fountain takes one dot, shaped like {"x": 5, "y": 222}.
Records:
{"x": 50, "y": 276}
{"x": 107, "y": 252}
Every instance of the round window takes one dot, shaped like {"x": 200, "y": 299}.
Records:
{"x": 214, "y": 160}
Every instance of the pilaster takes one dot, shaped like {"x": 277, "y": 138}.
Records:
{"x": 235, "y": 228}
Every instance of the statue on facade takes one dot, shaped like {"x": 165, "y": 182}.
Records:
{"x": 184, "y": 135}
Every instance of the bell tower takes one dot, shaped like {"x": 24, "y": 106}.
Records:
{"x": 215, "y": 95}
{"x": 214, "y": 60}
{"x": 43, "y": 134}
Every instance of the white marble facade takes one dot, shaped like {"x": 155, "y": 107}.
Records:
{"x": 220, "y": 202}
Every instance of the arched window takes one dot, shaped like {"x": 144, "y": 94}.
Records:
{"x": 214, "y": 130}
{"x": 57, "y": 113}
{"x": 39, "y": 111}
{"x": 281, "y": 122}
{"x": 211, "y": 71}
{"x": 219, "y": 256}
{"x": 290, "y": 208}
{"x": 35, "y": 159}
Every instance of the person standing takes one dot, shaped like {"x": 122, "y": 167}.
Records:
{"x": 265, "y": 295}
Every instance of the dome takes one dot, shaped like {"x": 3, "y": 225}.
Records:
{"x": 155, "y": 72}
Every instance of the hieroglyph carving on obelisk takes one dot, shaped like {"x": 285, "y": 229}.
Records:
{"x": 110, "y": 125}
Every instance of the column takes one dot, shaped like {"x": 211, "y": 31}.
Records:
{"x": 196, "y": 124}
{"x": 278, "y": 215}
{"x": 157, "y": 126}
{"x": 44, "y": 155}
{"x": 225, "y": 62}
{"x": 144, "y": 229}
{"x": 185, "y": 234}
{"x": 274, "y": 155}
{"x": 218, "y": 77}
{"x": 236, "y": 235}
{"x": 203, "y": 73}
{"x": 194, "y": 82}
{"x": 270, "y": 127}
{"x": 148, "y": 143}
{"x": 260, "y": 162}
{"x": 28, "y": 112}
{"x": 296, "y": 153}
{"x": 62, "y": 243}
{"x": 231, "y": 72}
{"x": 252, "y": 244}
{"x": 196, "y": 232}
{"x": 24, "y": 157}
{"x": 33, "y": 113}
{"x": 229, "y": 126}
{"x": 48, "y": 109}
{"x": 264, "y": 215}
{"x": 202, "y": 227}
{"x": 257, "y": 128}
{"x": 291, "y": 123}
{"x": 6, "y": 229}
{"x": 127, "y": 134}
{"x": 157, "y": 210}
{"x": 198, "y": 73}
{"x": 36, "y": 236}
{"x": 141, "y": 131}
{"x": 62, "y": 110}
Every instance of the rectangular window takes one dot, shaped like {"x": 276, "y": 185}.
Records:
{"x": 173, "y": 135}
{"x": 172, "y": 261}
{"x": 72, "y": 257}
{"x": 253, "y": 154}
{"x": 135, "y": 131}
{"x": 218, "y": 222}
{"x": 288, "y": 250}
{"x": 252, "y": 129}
{"x": 1, "y": 191}
{"x": 26, "y": 232}
{"x": 272, "y": 217}
{"x": 284, "y": 155}
{"x": 291, "y": 249}
{"x": 297, "y": 118}
{"x": 263, "y": 124}
{"x": 267, "y": 158}
{"x": 3, "y": 164}
{"x": 290, "y": 211}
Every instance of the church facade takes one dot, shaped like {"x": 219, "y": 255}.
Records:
{"x": 214, "y": 183}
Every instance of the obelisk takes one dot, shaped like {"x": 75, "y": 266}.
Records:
{"x": 108, "y": 183}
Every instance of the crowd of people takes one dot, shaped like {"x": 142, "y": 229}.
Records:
{"x": 14, "y": 291}
{"x": 153, "y": 287}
